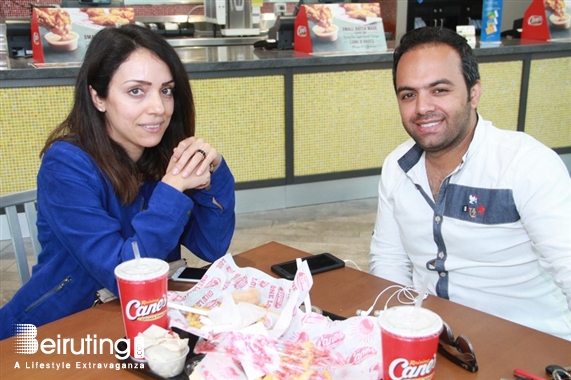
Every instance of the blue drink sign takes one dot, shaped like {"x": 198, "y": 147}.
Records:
{"x": 491, "y": 22}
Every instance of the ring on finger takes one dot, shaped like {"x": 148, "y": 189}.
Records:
{"x": 202, "y": 152}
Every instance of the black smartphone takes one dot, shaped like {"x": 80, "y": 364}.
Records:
{"x": 317, "y": 264}
{"x": 187, "y": 274}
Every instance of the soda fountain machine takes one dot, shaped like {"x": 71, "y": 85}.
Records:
{"x": 234, "y": 17}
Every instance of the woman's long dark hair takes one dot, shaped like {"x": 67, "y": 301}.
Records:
{"x": 85, "y": 126}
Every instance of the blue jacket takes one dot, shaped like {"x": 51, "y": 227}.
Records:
{"x": 85, "y": 232}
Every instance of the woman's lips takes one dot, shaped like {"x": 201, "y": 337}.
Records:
{"x": 151, "y": 127}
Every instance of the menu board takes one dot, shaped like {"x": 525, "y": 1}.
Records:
{"x": 335, "y": 28}
{"x": 60, "y": 36}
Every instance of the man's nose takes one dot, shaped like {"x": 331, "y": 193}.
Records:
{"x": 424, "y": 104}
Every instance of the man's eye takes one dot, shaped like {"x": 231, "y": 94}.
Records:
{"x": 406, "y": 96}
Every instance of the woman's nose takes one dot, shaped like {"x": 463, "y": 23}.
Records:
{"x": 155, "y": 103}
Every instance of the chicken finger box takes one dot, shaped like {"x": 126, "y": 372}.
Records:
{"x": 339, "y": 28}
{"x": 60, "y": 36}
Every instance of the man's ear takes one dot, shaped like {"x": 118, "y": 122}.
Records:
{"x": 475, "y": 93}
{"x": 97, "y": 101}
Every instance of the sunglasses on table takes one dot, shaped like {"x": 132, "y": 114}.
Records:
{"x": 558, "y": 372}
{"x": 458, "y": 350}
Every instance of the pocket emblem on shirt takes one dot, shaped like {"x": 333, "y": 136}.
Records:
{"x": 480, "y": 205}
{"x": 476, "y": 209}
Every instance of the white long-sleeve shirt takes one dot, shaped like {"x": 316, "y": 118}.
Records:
{"x": 498, "y": 239}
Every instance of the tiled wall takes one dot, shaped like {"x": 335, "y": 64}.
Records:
{"x": 27, "y": 116}
{"x": 548, "y": 118}
{"x": 350, "y": 120}
{"x": 244, "y": 119}
{"x": 247, "y": 129}
{"x": 343, "y": 121}
{"x": 501, "y": 86}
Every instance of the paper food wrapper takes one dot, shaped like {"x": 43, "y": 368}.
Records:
{"x": 279, "y": 298}
{"x": 316, "y": 348}
{"x": 293, "y": 344}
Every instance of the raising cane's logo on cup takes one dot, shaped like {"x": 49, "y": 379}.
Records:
{"x": 409, "y": 338}
{"x": 143, "y": 293}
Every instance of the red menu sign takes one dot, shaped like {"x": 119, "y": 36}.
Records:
{"x": 547, "y": 20}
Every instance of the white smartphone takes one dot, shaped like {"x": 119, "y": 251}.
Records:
{"x": 187, "y": 274}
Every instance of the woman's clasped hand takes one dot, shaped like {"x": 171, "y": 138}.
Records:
{"x": 192, "y": 163}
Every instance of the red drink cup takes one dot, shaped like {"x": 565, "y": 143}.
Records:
{"x": 143, "y": 294}
{"x": 409, "y": 339}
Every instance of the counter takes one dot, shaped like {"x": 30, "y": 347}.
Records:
{"x": 228, "y": 59}
{"x": 297, "y": 128}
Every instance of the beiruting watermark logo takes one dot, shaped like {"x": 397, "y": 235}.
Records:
{"x": 26, "y": 343}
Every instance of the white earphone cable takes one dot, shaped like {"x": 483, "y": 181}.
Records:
{"x": 405, "y": 295}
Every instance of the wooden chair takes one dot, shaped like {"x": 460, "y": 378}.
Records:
{"x": 11, "y": 204}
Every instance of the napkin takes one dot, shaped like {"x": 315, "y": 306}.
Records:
{"x": 163, "y": 344}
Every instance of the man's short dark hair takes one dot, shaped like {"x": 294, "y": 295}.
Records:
{"x": 420, "y": 37}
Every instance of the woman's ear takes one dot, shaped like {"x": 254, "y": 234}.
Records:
{"x": 97, "y": 101}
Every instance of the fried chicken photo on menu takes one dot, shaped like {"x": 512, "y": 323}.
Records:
{"x": 555, "y": 6}
{"x": 126, "y": 13}
{"x": 109, "y": 20}
{"x": 54, "y": 20}
{"x": 559, "y": 16}
{"x": 93, "y": 12}
{"x": 373, "y": 7}
{"x": 320, "y": 14}
{"x": 362, "y": 11}
{"x": 115, "y": 16}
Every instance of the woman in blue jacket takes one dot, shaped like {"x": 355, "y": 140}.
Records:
{"x": 123, "y": 167}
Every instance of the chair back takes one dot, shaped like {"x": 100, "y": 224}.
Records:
{"x": 11, "y": 204}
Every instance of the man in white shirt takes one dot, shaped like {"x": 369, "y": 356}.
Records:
{"x": 483, "y": 213}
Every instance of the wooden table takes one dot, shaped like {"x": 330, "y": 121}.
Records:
{"x": 500, "y": 345}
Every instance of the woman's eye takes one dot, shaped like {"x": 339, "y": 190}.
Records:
{"x": 168, "y": 91}
{"x": 136, "y": 91}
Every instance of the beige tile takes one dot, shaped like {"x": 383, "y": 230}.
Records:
{"x": 7, "y": 265}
